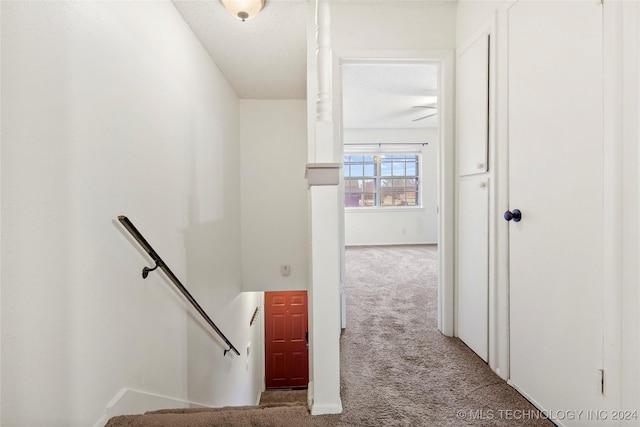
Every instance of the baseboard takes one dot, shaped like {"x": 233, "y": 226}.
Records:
{"x": 534, "y": 403}
{"x": 365, "y": 245}
{"x": 129, "y": 401}
{"x": 321, "y": 409}
{"x": 310, "y": 394}
{"x": 326, "y": 409}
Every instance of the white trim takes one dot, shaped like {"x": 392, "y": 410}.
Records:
{"x": 446, "y": 158}
{"x": 498, "y": 321}
{"x": 539, "y": 406}
{"x": 375, "y": 147}
{"x": 263, "y": 343}
{"x": 310, "y": 394}
{"x": 379, "y": 209}
{"x": 1, "y": 270}
{"x": 393, "y": 244}
{"x": 612, "y": 203}
{"x": 326, "y": 409}
{"x": 129, "y": 401}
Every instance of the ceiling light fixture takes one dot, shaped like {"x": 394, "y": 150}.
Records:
{"x": 243, "y": 9}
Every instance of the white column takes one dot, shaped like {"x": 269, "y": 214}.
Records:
{"x": 325, "y": 242}
{"x": 323, "y": 61}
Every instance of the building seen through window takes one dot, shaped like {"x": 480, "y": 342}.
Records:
{"x": 381, "y": 180}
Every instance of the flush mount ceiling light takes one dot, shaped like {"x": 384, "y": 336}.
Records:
{"x": 243, "y": 9}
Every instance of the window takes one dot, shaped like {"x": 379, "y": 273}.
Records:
{"x": 381, "y": 180}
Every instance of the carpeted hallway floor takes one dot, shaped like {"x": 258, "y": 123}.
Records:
{"x": 397, "y": 368}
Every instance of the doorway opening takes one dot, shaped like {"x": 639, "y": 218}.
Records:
{"x": 391, "y": 135}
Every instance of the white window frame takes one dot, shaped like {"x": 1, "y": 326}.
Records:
{"x": 386, "y": 151}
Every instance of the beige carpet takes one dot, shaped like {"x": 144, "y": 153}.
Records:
{"x": 397, "y": 368}
{"x": 283, "y": 396}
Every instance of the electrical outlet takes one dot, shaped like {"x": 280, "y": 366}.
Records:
{"x": 285, "y": 270}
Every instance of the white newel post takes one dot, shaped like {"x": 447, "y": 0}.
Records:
{"x": 323, "y": 179}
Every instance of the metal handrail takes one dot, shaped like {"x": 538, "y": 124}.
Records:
{"x": 160, "y": 264}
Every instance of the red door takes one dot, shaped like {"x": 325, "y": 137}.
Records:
{"x": 286, "y": 352}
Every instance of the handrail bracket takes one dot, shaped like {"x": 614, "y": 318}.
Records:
{"x": 128, "y": 225}
{"x": 146, "y": 270}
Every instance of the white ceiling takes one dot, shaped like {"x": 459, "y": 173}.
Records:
{"x": 262, "y": 58}
{"x": 384, "y": 95}
{"x": 265, "y": 58}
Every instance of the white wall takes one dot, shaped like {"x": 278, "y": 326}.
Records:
{"x": 471, "y": 14}
{"x": 114, "y": 108}
{"x": 275, "y": 205}
{"x": 393, "y": 25}
{"x": 392, "y": 226}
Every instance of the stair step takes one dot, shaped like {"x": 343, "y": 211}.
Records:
{"x": 269, "y": 415}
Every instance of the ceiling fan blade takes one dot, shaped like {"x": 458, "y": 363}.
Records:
{"x": 424, "y": 117}
{"x": 433, "y": 106}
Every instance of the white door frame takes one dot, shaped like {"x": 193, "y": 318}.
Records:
{"x": 446, "y": 157}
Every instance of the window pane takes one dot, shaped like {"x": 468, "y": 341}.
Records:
{"x": 368, "y": 199}
{"x": 398, "y": 169}
{"x": 369, "y": 186}
{"x": 349, "y": 185}
{"x": 351, "y": 200}
{"x": 369, "y": 170}
{"x": 411, "y": 168}
{"x": 412, "y": 200}
{"x": 398, "y": 180}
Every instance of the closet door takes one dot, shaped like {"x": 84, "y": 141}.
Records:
{"x": 473, "y": 264}
{"x": 556, "y": 181}
{"x": 473, "y": 107}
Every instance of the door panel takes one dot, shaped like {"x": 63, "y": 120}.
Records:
{"x": 473, "y": 107}
{"x": 286, "y": 352}
{"x": 556, "y": 181}
{"x": 473, "y": 267}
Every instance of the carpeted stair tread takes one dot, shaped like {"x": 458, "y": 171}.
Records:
{"x": 253, "y": 416}
{"x": 225, "y": 408}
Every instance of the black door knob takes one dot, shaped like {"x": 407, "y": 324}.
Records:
{"x": 514, "y": 215}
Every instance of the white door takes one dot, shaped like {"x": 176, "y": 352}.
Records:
{"x": 473, "y": 107}
{"x": 556, "y": 174}
{"x": 473, "y": 264}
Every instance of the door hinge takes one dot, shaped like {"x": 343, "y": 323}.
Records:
{"x": 601, "y": 381}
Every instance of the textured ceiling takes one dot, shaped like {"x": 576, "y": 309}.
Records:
{"x": 383, "y": 95}
{"x": 262, "y": 58}
{"x": 265, "y": 58}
